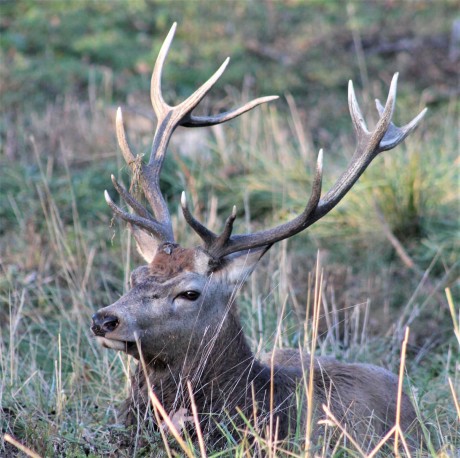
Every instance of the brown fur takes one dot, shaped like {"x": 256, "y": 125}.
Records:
{"x": 367, "y": 389}
{"x": 171, "y": 261}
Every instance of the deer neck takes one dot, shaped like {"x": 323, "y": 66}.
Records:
{"x": 223, "y": 376}
{"x": 221, "y": 360}
{"x": 213, "y": 368}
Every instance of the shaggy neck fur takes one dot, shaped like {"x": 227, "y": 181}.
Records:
{"x": 225, "y": 376}
{"x": 228, "y": 380}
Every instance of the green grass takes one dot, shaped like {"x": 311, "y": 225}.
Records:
{"x": 62, "y": 256}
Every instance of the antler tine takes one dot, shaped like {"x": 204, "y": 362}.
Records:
{"x": 213, "y": 243}
{"x": 121, "y": 137}
{"x": 130, "y": 200}
{"x": 203, "y": 121}
{"x": 228, "y": 228}
{"x": 394, "y": 134}
{"x": 156, "y": 97}
{"x": 204, "y": 233}
{"x": 356, "y": 115}
{"x": 150, "y": 225}
{"x": 385, "y": 118}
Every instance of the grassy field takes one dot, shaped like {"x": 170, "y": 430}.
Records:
{"x": 389, "y": 252}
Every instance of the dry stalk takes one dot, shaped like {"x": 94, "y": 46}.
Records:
{"x": 336, "y": 422}
{"x": 400, "y": 384}
{"x": 454, "y": 396}
{"x": 196, "y": 421}
{"x": 455, "y": 319}
{"x": 382, "y": 442}
{"x": 272, "y": 441}
{"x": 307, "y": 309}
{"x": 316, "y": 311}
{"x": 21, "y": 447}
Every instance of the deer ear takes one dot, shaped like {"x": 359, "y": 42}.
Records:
{"x": 239, "y": 266}
{"x": 147, "y": 245}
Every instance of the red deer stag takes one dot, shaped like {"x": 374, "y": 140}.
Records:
{"x": 180, "y": 315}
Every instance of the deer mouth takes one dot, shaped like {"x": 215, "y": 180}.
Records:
{"x": 114, "y": 344}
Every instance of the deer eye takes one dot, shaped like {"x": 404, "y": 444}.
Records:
{"x": 190, "y": 295}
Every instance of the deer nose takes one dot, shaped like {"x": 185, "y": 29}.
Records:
{"x": 103, "y": 324}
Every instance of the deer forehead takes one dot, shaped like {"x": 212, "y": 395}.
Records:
{"x": 174, "y": 260}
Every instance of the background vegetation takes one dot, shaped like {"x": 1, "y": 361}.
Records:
{"x": 388, "y": 251}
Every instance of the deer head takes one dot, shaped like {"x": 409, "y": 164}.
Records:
{"x": 183, "y": 295}
{"x": 179, "y": 289}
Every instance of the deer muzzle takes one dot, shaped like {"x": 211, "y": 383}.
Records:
{"x": 103, "y": 324}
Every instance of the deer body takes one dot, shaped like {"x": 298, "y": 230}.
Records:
{"x": 181, "y": 320}
{"x": 202, "y": 341}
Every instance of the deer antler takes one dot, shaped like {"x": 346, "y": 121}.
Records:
{"x": 385, "y": 136}
{"x": 168, "y": 118}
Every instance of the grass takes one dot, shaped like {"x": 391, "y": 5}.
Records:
{"x": 388, "y": 252}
